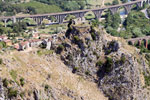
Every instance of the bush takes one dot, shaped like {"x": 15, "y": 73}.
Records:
{"x": 87, "y": 72}
{"x": 99, "y": 63}
{"x": 123, "y": 59}
{"x": 5, "y": 82}
{"x": 13, "y": 74}
{"x": 1, "y": 60}
{"x": 93, "y": 36}
{"x": 22, "y": 81}
{"x": 75, "y": 69}
{"x": 60, "y": 48}
{"x": 46, "y": 87}
{"x": 76, "y": 39}
{"x": 108, "y": 64}
{"x": 12, "y": 93}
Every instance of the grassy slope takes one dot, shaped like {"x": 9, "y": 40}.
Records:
{"x": 34, "y": 69}
{"x": 42, "y": 8}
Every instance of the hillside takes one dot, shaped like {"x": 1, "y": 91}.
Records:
{"x": 45, "y": 72}
{"x": 83, "y": 64}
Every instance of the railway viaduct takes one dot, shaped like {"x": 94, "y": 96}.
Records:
{"x": 139, "y": 40}
{"x": 38, "y": 18}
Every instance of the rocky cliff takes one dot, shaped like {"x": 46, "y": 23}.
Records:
{"x": 85, "y": 63}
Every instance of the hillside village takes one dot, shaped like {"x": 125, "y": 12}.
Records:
{"x": 36, "y": 41}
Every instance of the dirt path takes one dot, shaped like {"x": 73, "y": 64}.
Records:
{"x": 103, "y": 3}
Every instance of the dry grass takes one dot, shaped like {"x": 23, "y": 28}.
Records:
{"x": 35, "y": 69}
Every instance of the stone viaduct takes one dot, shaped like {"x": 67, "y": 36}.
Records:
{"x": 139, "y": 40}
{"x": 38, "y": 18}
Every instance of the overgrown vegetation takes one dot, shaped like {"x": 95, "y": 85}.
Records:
{"x": 108, "y": 64}
{"x": 22, "y": 82}
{"x": 12, "y": 92}
{"x": 13, "y": 74}
{"x": 60, "y": 48}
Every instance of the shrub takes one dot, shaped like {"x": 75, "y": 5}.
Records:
{"x": 1, "y": 61}
{"x": 108, "y": 64}
{"x": 13, "y": 74}
{"x": 93, "y": 36}
{"x": 123, "y": 59}
{"x": 99, "y": 63}
{"x": 22, "y": 81}
{"x": 12, "y": 92}
{"x": 76, "y": 39}
{"x": 87, "y": 72}
{"x": 46, "y": 87}
{"x": 75, "y": 69}
{"x": 60, "y": 48}
{"x": 5, "y": 82}
{"x": 22, "y": 94}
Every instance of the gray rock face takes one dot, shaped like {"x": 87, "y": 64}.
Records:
{"x": 1, "y": 90}
{"x": 122, "y": 81}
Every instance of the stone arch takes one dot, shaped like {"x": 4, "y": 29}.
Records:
{"x": 122, "y": 10}
{"x": 114, "y": 10}
{"x": 98, "y": 13}
{"x": 128, "y": 8}
{"x": 145, "y": 43}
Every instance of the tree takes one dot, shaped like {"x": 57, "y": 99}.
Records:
{"x": 115, "y": 2}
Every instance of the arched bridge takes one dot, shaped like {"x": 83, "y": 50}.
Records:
{"x": 139, "y": 40}
{"x": 78, "y": 14}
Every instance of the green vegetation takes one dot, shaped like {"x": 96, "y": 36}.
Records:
{"x": 22, "y": 81}
{"x": 99, "y": 63}
{"x": 13, "y": 74}
{"x": 5, "y": 82}
{"x": 112, "y": 23}
{"x": 1, "y": 61}
{"x": 137, "y": 24}
{"x": 66, "y": 5}
{"x": 34, "y": 7}
{"x": 123, "y": 59}
{"x": 108, "y": 64}
{"x": 60, "y": 48}
{"x": 75, "y": 69}
{"x": 12, "y": 92}
{"x": 47, "y": 87}
{"x": 44, "y": 52}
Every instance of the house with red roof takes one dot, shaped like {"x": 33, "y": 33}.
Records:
{"x": 2, "y": 38}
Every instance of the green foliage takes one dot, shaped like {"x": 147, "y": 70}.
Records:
{"x": 123, "y": 59}
{"x": 2, "y": 45}
{"x": 60, "y": 48}
{"x": 22, "y": 94}
{"x": 5, "y": 82}
{"x": 147, "y": 79}
{"x": 12, "y": 92}
{"x": 99, "y": 63}
{"x": 87, "y": 72}
{"x": 108, "y": 64}
{"x": 44, "y": 52}
{"x": 75, "y": 69}
{"x": 76, "y": 39}
{"x": 95, "y": 23}
{"x": 19, "y": 27}
{"x": 93, "y": 35}
{"x": 22, "y": 81}
{"x": 66, "y": 5}
{"x": 47, "y": 87}
{"x": 1, "y": 61}
{"x": 115, "y": 2}
{"x": 34, "y": 7}
{"x": 137, "y": 24}
{"x": 13, "y": 74}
